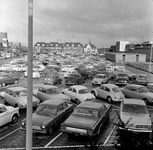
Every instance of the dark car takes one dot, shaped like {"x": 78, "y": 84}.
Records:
{"x": 122, "y": 75}
{"x": 74, "y": 79}
{"x": 49, "y": 114}
{"x": 8, "y": 78}
{"x": 52, "y": 79}
{"x": 142, "y": 79}
{"x": 87, "y": 119}
{"x": 121, "y": 82}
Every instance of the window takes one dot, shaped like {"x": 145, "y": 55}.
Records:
{"x": 133, "y": 89}
{"x": 74, "y": 90}
{"x": 70, "y": 89}
{"x": 107, "y": 89}
{"x": 65, "y": 105}
{"x": 102, "y": 87}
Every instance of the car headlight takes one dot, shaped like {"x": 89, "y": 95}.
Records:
{"x": 23, "y": 123}
{"x": 43, "y": 127}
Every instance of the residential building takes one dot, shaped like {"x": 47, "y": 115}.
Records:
{"x": 90, "y": 49}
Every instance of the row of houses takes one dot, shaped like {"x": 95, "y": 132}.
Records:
{"x": 66, "y": 47}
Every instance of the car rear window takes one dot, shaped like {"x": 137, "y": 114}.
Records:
{"x": 116, "y": 89}
{"x": 85, "y": 112}
{"x": 135, "y": 109}
{"x": 83, "y": 91}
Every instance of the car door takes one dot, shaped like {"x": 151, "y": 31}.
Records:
{"x": 4, "y": 115}
{"x": 127, "y": 91}
{"x": 69, "y": 92}
{"x": 41, "y": 94}
{"x": 106, "y": 92}
{"x": 9, "y": 98}
{"x": 134, "y": 93}
{"x": 101, "y": 91}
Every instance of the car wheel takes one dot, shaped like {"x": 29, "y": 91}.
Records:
{"x": 77, "y": 101}
{"x": 50, "y": 130}
{"x": 109, "y": 99}
{"x": 16, "y": 81}
{"x": 14, "y": 119}
{"x": 94, "y": 93}
{"x": 146, "y": 100}
{"x": 3, "y": 84}
{"x": 16, "y": 105}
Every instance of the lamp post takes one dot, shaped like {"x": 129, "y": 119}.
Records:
{"x": 150, "y": 63}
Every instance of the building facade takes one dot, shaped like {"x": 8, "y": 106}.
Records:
{"x": 58, "y": 48}
{"x": 90, "y": 49}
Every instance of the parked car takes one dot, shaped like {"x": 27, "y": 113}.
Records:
{"x": 110, "y": 92}
{"x": 150, "y": 87}
{"x": 8, "y": 114}
{"x": 138, "y": 92}
{"x": 122, "y": 75}
{"x": 87, "y": 119}
{"x": 17, "y": 97}
{"x": 52, "y": 79}
{"x": 74, "y": 79}
{"x": 35, "y": 74}
{"x": 6, "y": 67}
{"x": 135, "y": 116}
{"x": 20, "y": 68}
{"x": 99, "y": 79}
{"x": 8, "y": 78}
{"x": 46, "y": 92}
{"x": 49, "y": 115}
{"x": 121, "y": 82}
{"x": 78, "y": 93}
{"x": 142, "y": 79}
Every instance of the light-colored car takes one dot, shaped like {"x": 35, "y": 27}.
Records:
{"x": 36, "y": 74}
{"x": 99, "y": 79}
{"x": 78, "y": 93}
{"x": 135, "y": 116}
{"x": 49, "y": 115}
{"x": 17, "y": 97}
{"x": 8, "y": 114}
{"x": 142, "y": 79}
{"x": 46, "y": 92}
{"x": 20, "y": 68}
{"x": 39, "y": 68}
{"x": 87, "y": 119}
{"x": 110, "y": 92}
{"x": 138, "y": 92}
{"x": 150, "y": 87}
{"x": 6, "y": 67}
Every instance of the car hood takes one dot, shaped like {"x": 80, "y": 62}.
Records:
{"x": 23, "y": 99}
{"x": 40, "y": 119}
{"x": 141, "y": 119}
{"x": 80, "y": 122}
{"x": 59, "y": 96}
{"x": 86, "y": 96}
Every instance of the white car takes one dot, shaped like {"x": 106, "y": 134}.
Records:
{"x": 17, "y": 97}
{"x": 20, "y": 68}
{"x": 39, "y": 68}
{"x": 110, "y": 92}
{"x": 36, "y": 74}
{"x": 134, "y": 116}
{"x": 78, "y": 93}
{"x": 99, "y": 79}
{"x": 6, "y": 67}
{"x": 8, "y": 114}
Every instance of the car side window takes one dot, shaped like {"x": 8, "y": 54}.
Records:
{"x": 65, "y": 105}
{"x": 2, "y": 109}
{"x": 74, "y": 90}
{"x": 133, "y": 89}
{"x": 60, "y": 108}
{"x": 9, "y": 92}
{"x": 107, "y": 89}
{"x": 70, "y": 89}
{"x": 43, "y": 90}
{"x": 102, "y": 87}
{"x": 40, "y": 89}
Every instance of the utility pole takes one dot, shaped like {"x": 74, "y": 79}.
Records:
{"x": 30, "y": 77}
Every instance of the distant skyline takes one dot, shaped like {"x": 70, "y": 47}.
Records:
{"x": 103, "y": 22}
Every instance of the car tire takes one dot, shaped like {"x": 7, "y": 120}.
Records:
{"x": 16, "y": 105}
{"x": 3, "y": 84}
{"x": 146, "y": 100}
{"x": 77, "y": 101}
{"x": 50, "y": 130}
{"x": 109, "y": 99}
{"x": 14, "y": 119}
{"x": 16, "y": 81}
{"x": 94, "y": 93}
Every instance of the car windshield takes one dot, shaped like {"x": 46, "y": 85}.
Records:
{"x": 85, "y": 112}
{"x": 122, "y": 75}
{"x": 46, "y": 110}
{"x": 116, "y": 89}
{"x": 143, "y": 90}
{"x": 21, "y": 93}
{"x": 53, "y": 91}
{"x": 83, "y": 91}
{"x": 135, "y": 109}
{"x": 99, "y": 76}
{"x": 141, "y": 77}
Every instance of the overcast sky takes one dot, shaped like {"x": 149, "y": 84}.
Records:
{"x": 103, "y": 22}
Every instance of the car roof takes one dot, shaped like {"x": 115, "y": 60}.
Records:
{"x": 141, "y": 74}
{"x": 52, "y": 102}
{"x": 90, "y": 104}
{"x": 136, "y": 85}
{"x": 48, "y": 86}
{"x": 134, "y": 101}
{"x": 79, "y": 87}
{"x": 109, "y": 85}
{"x": 101, "y": 74}
{"x": 17, "y": 88}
